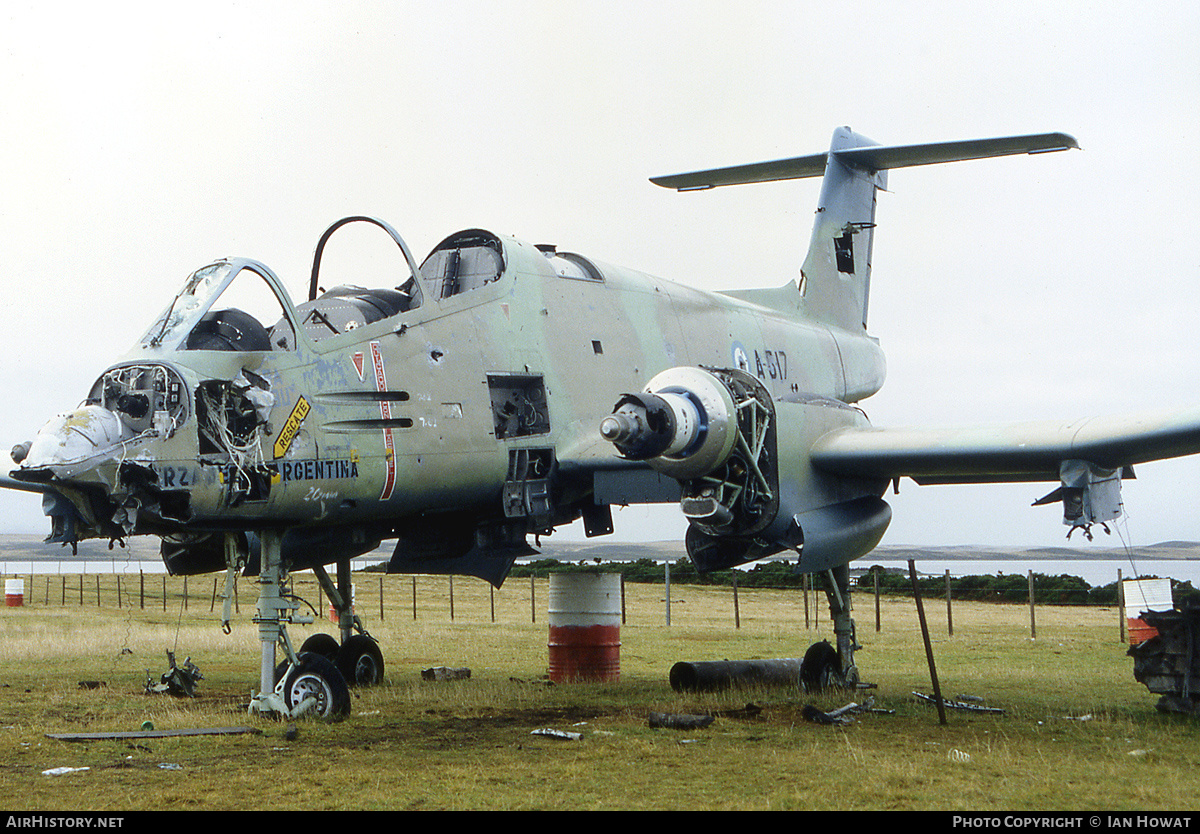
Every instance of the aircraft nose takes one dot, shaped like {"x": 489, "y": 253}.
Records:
{"x": 71, "y": 443}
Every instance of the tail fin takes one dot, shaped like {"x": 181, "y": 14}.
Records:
{"x": 835, "y": 280}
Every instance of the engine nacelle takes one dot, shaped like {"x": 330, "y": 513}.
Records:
{"x": 742, "y": 461}
{"x": 683, "y": 425}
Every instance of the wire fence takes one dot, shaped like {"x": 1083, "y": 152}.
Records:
{"x": 379, "y": 596}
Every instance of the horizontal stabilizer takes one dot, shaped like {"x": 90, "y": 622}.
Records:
{"x": 870, "y": 158}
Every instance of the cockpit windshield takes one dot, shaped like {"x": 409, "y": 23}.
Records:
{"x": 222, "y": 307}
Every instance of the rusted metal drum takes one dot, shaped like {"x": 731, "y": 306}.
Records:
{"x": 14, "y": 592}
{"x": 585, "y": 627}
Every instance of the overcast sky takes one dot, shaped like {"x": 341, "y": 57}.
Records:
{"x": 141, "y": 141}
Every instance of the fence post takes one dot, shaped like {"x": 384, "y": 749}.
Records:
{"x": 949, "y": 613}
{"x": 937, "y": 687}
{"x": 1121, "y": 604}
{"x": 1032, "y": 622}
{"x": 737, "y": 616}
{"x": 816, "y": 603}
{"x": 667, "y": 582}
{"x": 875, "y": 573}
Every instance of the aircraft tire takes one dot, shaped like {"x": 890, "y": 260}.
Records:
{"x": 323, "y": 644}
{"x": 820, "y": 667}
{"x": 317, "y": 676}
{"x": 360, "y": 661}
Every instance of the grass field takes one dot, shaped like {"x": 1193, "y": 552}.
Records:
{"x": 1077, "y": 733}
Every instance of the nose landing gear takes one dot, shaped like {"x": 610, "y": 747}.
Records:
{"x": 317, "y": 679}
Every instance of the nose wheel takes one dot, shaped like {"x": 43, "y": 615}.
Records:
{"x": 316, "y": 686}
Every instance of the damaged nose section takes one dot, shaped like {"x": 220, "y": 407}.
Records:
{"x": 70, "y": 444}
{"x": 80, "y": 460}
{"x": 67, "y": 448}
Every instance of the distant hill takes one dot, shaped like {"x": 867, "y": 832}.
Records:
{"x": 618, "y": 551}
{"x": 145, "y": 548}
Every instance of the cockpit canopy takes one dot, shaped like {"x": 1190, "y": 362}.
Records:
{"x": 249, "y": 294}
{"x": 226, "y": 305}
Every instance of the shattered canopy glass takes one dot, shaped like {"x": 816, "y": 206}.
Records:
{"x": 252, "y": 295}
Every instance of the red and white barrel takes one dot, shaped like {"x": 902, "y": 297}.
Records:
{"x": 585, "y": 627}
{"x": 14, "y": 592}
{"x": 333, "y": 612}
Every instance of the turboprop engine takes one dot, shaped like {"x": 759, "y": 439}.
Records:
{"x": 742, "y": 460}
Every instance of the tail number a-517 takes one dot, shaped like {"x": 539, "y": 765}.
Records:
{"x": 772, "y": 363}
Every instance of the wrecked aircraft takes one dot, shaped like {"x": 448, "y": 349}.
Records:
{"x": 501, "y": 389}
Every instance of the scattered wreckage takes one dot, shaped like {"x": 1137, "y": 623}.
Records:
{"x": 1167, "y": 663}
{"x": 179, "y": 681}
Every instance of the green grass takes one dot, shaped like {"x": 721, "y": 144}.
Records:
{"x": 410, "y": 744}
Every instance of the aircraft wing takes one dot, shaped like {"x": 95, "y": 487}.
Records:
{"x": 1087, "y": 457}
{"x": 1033, "y": 451}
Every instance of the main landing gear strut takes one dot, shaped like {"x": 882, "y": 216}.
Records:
{"x": 825, "y": 666}
{"x": 317, "y": 679}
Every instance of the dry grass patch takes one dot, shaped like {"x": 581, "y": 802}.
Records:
{"x": 410, "y": 744}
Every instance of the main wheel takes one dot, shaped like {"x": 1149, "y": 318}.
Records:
{"x": 360, "y": 661}
{"x": 316, "y": 676}
{"x": 323, "y": 644}
{"x": 820, "y": 668}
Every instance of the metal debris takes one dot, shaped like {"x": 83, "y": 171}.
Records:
{"x": 719, "y": 675}
{"x": 751, "y": 710}
{"x": 841, "y": 715}
{"x": 445, "y": 673}
{"x": 562, "y": 735}
{"x": 817, "y": 716}
{"x": 1168, "y": 663}
{"x": 929, "y": 699}
{"x": 679, "y": 722}
{"x": 178, "y": 681}
{"x": 203, "y": 731}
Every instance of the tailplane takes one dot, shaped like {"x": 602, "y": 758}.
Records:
{"x": 835, "y": 280}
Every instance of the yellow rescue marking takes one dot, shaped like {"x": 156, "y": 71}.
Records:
{"x": 291, "y": 427}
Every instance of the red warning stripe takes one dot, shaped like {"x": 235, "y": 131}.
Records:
{"x": 385, "y": 411}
